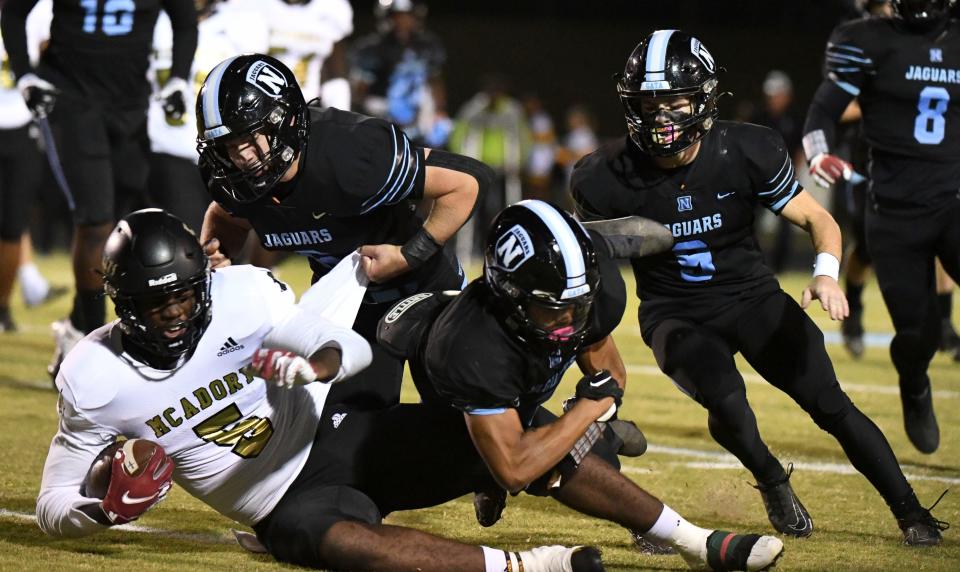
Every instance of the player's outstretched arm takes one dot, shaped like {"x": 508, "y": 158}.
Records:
{"x": 804, "y": 211}
{"x": 603, "y": 355}
{"x": 517, "y": 457}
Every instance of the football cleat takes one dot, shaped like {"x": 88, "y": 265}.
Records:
{"x": 920, "y": 528}
{"x": 650, "y": 547}
{"x": 949, "y": 340}
{"x": 489, "y": 505}
{"x": 785, "y": 511}
{"x": 556, "y": 559}
{"x": 919, "y": 420}
{"x": 51, "y": 294}
{"x": 728, "y": 551}
{"x": 7, "y": 325}
{"x": 65, "y": 337}
{"x": 852, "y": 331}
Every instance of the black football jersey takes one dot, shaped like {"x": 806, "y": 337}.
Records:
{"x": 908, "y": 86}
{"x": 475, "y": 365}
{"x": 355, "y": 186}
{"x": 101, "y": 48}
{"x": 708, "y": 205}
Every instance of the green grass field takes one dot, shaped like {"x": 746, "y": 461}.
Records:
{"x": 684, "y": 467}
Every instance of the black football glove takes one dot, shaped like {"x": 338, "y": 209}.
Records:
{"x": 39, "y": 94}
{"x": 174, "y": 100}
{"x": 598, "y": 386}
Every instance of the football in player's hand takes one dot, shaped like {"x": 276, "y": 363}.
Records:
{"x": 137, "y": 453}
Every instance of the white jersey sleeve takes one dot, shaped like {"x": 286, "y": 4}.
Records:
{"x": 227, "y": 32}
{"x": 73, "y": 449}
{"x": 13, "y": 110}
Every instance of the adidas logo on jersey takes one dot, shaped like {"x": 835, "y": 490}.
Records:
{"x": 229, "y": 346}
{"x": 338, "y": 419}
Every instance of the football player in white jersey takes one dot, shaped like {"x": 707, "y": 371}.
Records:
{"x": 187, "y": 366}
{"x": 224, "y": 29}
{"x": 21, "y": 167}
{"x": 307, "y": 36}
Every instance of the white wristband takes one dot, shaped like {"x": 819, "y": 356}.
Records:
{"x": 827, "y": 265}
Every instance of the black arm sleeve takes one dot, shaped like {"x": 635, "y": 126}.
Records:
{"x": 476, "y": 169}
{"x": 13, "y": 26}
{"x": 829, "y": 103}
{"x": 183, "y": 20}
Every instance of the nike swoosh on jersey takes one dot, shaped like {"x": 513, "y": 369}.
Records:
{"x": 318, "y": 216}
{"x": 126, "y": 498}
{"x": 725, "y": 195}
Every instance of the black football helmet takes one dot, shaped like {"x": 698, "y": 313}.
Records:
{"x": 541, "y": 267}
{"x": 245, "y": 96}
{"x": 923, "y": 14}
{"x": 667, "y": 64}
{"x": 151, "y": 254}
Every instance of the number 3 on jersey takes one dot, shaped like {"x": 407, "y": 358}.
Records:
{"x": 696, "y": 262}
{"x": 929, "y": 127}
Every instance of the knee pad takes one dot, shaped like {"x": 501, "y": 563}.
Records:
{"x": 830, "y": 407}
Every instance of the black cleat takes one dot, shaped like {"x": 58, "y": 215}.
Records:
{"x": 919, "y": 420}
{"x": 729, "y": 551}
{"x": 921, "y": 528}
{"x": 630, "y": 440}
{"x": 586, "y": 559}
{"x": 852, "y": 331}
{"x": 7, "y": 325}
{"x": 632, "y": 236}
{"x": 949, "y": 340}
{"x": 649, "y": 547}
{"x": 489, "y": 505}
{"x": 785, "y": 511}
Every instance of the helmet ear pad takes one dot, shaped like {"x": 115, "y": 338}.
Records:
{"x": 669, "y": 64}
{"x": 245, "y": 97}
{"x": 541, "y": 269}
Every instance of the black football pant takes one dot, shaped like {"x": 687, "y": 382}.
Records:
{"x": 786, "y": 348}
{"x": 903, "y": 249}
{"x": 175, "y": 185}
{"x": 21, "y": 171}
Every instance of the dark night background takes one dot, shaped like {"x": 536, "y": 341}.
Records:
{"x": 567, "y": 51}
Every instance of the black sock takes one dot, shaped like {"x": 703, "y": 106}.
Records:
{"x": 89, "y": 310}
{"x": 945, "y": 305}
{"x": 733, "y": 425}
{"x": 855, "y": 297}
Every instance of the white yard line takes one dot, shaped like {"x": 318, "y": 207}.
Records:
{"x": 726, "y": 461}
{"x": 197, "y": 537}
{"x": 754, "y": 379}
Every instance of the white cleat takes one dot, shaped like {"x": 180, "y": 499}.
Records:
{"x": 728, "y": 551}
{"x": 555, "y": 559}
{"x": 65, "y": 338}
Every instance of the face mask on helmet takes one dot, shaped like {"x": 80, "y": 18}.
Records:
{"x": 252, "y": 124}
{"x": 668, "y": 90}
{"x": 158, "y": 277}
{"x": 923, "y": 14}
{"x": 541, "y": 268}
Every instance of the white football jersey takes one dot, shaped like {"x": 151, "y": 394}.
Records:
{"x": 237, "y": 441}
{"x": 229, "y": 31}
{"x": 13, "y": 110}
{"x": 302, "y": 35}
